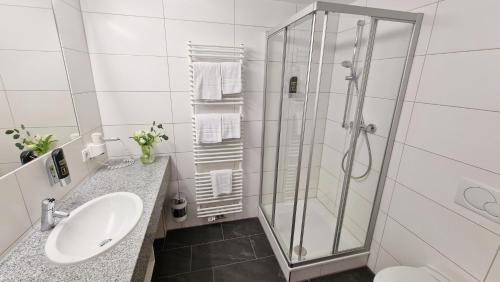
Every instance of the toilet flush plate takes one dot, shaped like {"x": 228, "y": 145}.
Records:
{"x": 479, "y": 198}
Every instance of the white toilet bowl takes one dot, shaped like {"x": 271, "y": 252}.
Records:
{"x": 409, "y": 274}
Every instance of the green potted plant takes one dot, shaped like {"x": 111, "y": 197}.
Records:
{"x": 147, "y": 138}
{"x": 38, "y": 144}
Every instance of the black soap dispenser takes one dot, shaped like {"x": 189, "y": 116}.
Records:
{"x": 58, "y": 168}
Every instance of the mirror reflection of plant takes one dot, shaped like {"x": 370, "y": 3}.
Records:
{"x": 155, "y": 134}
{"x": 38, "y": 144}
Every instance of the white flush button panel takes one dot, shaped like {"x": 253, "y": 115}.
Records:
{"x": 479, "y": 198}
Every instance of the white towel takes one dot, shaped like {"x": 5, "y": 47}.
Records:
{"x": 231, "y": 126}
{"x": 208, "y": 128}
{"x": 207, "y": 81}
{"x": 231, "y": 77}
{"x": 222, "y": 181}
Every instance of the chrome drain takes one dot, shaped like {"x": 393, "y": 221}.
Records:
{"x": 300, "y": 251}
{"x": 105, "y": 242}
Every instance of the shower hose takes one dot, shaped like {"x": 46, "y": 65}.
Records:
{"x": 365, "y": 134}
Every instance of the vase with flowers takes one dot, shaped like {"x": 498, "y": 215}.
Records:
{"x": 146, "y": 140}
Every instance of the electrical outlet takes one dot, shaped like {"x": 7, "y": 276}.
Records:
{"x": 479, "y": 198}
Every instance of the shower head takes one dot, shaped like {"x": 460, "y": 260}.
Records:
{"x": 347, "y": 64}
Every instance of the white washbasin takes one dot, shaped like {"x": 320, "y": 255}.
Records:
{"x": 93, "y": 227}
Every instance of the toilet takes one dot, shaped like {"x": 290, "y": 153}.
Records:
{"x": 409, "y": 274}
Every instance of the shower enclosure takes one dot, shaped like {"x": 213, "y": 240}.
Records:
{"x": 335, "y": 81}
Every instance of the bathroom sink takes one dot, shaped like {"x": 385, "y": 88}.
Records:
{"x": 94, "y": 227}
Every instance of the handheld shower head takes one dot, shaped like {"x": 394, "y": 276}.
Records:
{"x": 347, "y": 64}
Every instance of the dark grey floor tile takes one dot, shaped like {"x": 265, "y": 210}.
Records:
{"x": 197, "y": 276}
{"x": 261, "y": 246}
{"x": 244, "y": 227}
{"x": 220, "y": 253}
{"x": 260, "y": 270}
{"x": 173, "y": 262}
{"x": 194, "y": 235}
{"x": 355, "y": 275}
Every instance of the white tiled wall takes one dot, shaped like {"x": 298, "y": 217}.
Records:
{"x": 448, "y": 131}
{"x": 139, "y": 59}
{"x": 23, "y": 189}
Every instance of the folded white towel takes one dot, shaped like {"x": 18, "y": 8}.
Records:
{"x": 208, "y": 128}
{"x": 222, "y": 181}
{"x": 231, "y": 126}
{"x": 231, "y": 77}
{"x": 207, "y": 79}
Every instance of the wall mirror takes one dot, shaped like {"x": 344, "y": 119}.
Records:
{"x": 41, "y": 76}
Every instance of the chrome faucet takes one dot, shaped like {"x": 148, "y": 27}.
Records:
{"x": 49, "y": 214}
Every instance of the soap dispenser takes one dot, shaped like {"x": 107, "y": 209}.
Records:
{"x": 58, "y": 168}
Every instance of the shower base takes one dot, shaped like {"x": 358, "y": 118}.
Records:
{"x": 319, "y": 229}
{"x": 319, "y": 233}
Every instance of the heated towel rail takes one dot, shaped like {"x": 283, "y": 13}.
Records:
{"x": 229, "y": 153}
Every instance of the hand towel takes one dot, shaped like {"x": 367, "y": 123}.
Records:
{"x": 231, "y": 126}
{"x": 222, "y": 181}
{"x": 208, "y": 128}
{"x": 231, "y": 77}
{"x": 207, "y": 80}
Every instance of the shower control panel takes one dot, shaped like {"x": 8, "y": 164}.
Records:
{"x": 479, "y": 198}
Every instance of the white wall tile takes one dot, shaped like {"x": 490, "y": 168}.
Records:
{"x": 409, "y": 250}
{"x": 262, "y": 12}
{"x": 13, "y": 215}
{"x": 149, "y": 8}
{"x": 450, "y": 234}
{"x": 254, "y": 39}
{"x": 398, "y": 5}
{"x": 32, "y": 70}
{"x": 392, "y": 39}
{"x": 384, "y": 260}
{"x": 6, "y": 120}
{"x": 180, "y": 32}
{"x": 413, "y": 82}
{"x": 494, "y": 274}
{"x": 451, "y": 79}
{"x": 441, "y": 184}
{"x": 185, "y": 165}
{"x": 253, "y": 133}
{"x": 430, "y": 129}
{"x": 128, "y": 146}
{"x": 465, "y": 25}
{"x": 28, "y": 3}
{"x": 179, "y": 74}
{"x": 130, "y": 107}
{"x": 183, "y": 137}
{"x": 182, "y": 112}
{"x": 221, "y": 11}
{"x": 116, "y": 34}
{"x": 254, "y": 78}
{"x": 57, "y": 108}
{"x": 34, "y": 29}
{"x": 384, "y": 78}
{"x": 87, "y": 111}
{"x": 130, "y": 73}
{"x": 429, "y": 12}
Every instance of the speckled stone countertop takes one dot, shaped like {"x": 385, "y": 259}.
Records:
{"x": 127, "y": 260}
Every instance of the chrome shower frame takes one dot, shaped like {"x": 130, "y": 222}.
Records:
{"x": 375, "y": 15}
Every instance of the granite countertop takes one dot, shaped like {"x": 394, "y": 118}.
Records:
{"x": 127, "y": 260}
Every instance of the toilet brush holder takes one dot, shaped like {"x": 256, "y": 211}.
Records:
{"x": 179, "y": 207}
